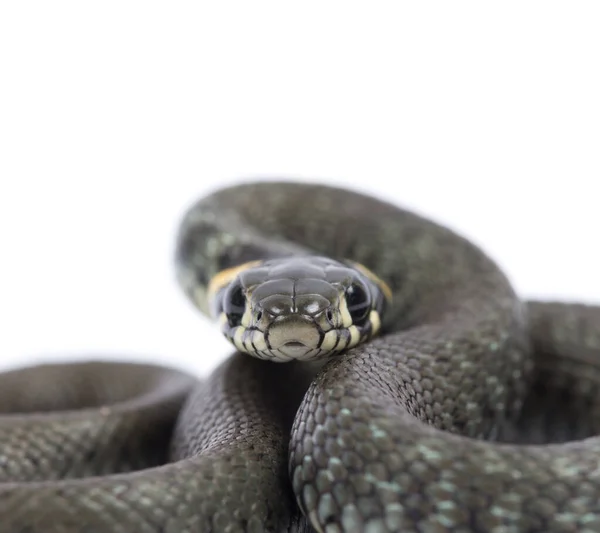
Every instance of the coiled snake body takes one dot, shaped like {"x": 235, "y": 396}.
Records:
{"x": 472, "y": 411}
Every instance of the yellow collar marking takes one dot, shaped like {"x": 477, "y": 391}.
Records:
{"x": 226, "y": 276}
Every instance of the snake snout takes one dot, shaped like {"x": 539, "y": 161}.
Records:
{"x": 296, "y": 308}
{"x": 293, "y": 336}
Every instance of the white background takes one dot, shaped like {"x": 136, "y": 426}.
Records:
{"x": 115, "y": 116}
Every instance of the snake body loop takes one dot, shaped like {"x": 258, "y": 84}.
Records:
{"x": 472, "y": 412}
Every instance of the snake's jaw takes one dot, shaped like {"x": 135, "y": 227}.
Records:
{"x": 293, "y": 336}
{"x": 277, "y": 329}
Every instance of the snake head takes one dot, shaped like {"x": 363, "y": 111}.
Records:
{"x": 297, "y": 308}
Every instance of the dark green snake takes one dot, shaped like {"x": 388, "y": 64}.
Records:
{"x": 471, "y": 411}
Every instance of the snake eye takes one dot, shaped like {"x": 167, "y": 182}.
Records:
{"x": 358, "y": 302}
{"x": 329, "y": 315}
{"x": 234, "y": 304}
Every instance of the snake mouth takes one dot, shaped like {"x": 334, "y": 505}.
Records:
{"x": 295, "y": 349}
{"x": 293, "y": 337}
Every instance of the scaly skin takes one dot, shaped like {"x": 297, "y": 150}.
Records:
{"x": 395, "y": 435}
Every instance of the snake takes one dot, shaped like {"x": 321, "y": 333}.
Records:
{"x": 387, "y": 377}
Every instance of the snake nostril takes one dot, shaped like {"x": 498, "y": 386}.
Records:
{"x": 329, "y": 315}
{"x": 259, "y": 316}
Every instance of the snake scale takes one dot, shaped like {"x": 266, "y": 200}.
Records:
{"x": 472, "y": 411}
